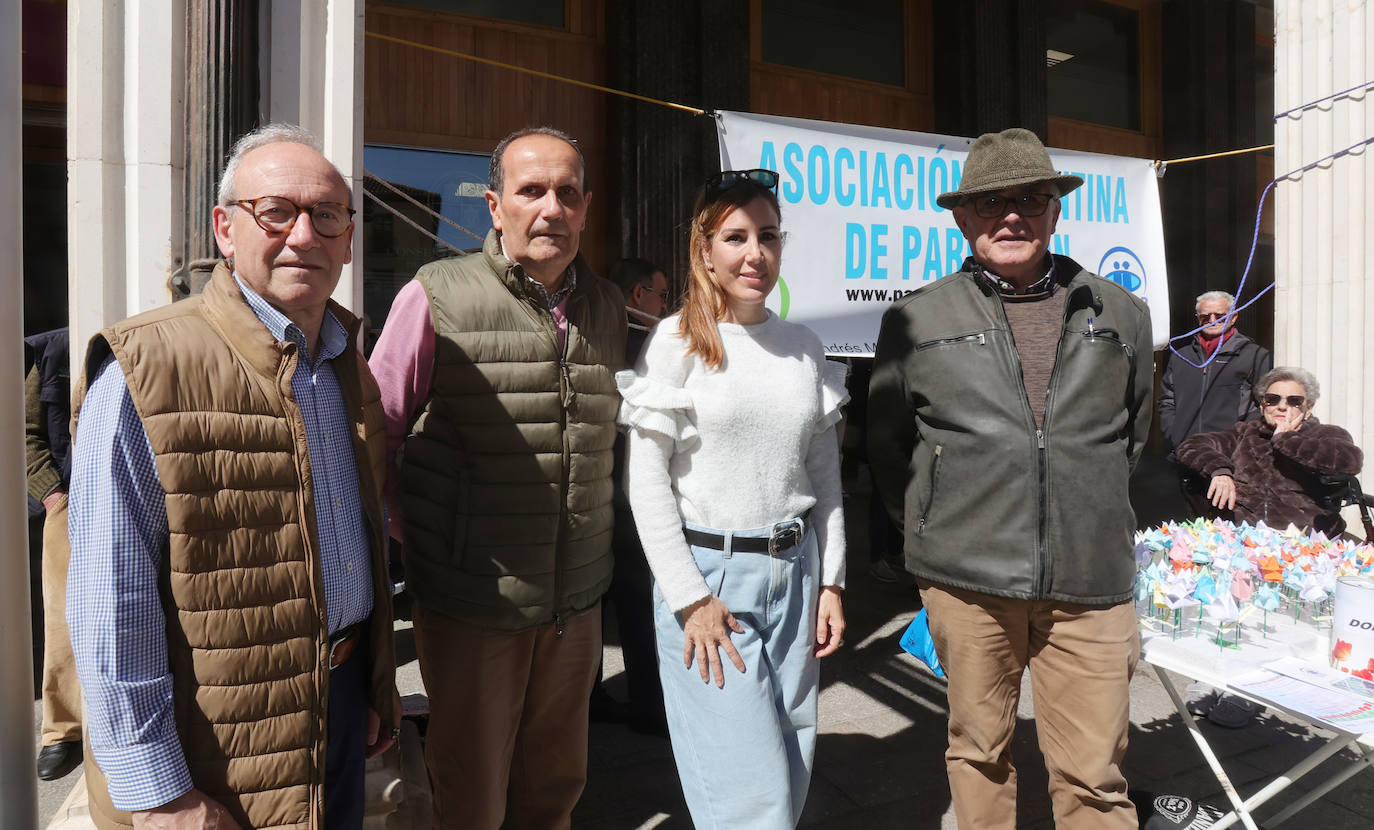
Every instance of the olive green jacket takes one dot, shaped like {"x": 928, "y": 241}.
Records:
{"x": 989, "y": 502}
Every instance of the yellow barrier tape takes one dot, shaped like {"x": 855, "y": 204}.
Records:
{"x": 537, "y": 73}
{"x": 1214, "y": 155}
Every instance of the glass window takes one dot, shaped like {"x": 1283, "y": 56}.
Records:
{"x": 449, "y": 184}
{"x": 866, "y": 40}
{"x": 542, "y": 12}
{"x": 1094, "y": 57}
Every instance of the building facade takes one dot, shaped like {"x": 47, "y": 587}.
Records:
{"x": 154, "y": 91}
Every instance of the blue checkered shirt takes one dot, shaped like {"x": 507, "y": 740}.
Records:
{"x": 117, "y": 523}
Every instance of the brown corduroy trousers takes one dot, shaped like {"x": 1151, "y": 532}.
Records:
{"x": 1080, "y": 658}
{"x": 507, "y": 739}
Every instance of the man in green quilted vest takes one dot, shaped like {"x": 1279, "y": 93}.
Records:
{"x": 497, "y": 377}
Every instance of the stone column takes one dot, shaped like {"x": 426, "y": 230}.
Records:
{"x": 1324, "y": 307}
{"x": 125, "y": 143}
{"x": 221, "y": 105}
{"x": 17, "y": 790}
{"x": 312, "y": 75}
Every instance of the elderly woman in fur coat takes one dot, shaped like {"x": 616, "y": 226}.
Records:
{"x": 1268, "y": 469}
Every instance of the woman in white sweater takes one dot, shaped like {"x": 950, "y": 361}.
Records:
{"x": 734, "y": 479}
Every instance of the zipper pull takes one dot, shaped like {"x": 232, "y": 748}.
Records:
{"x": 558, "y": 624}
{"x": 570, "y": 394}
{"x": 1040, "y": 438}
{"x": 1092, "y": 331}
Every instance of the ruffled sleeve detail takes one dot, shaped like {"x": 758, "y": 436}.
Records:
{"x": 834, "y": 393}
{"x": 654, "y": 406}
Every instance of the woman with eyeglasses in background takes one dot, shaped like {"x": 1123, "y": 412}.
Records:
{"x": 733, "y": 475}
{"x": 1267, "y": 470}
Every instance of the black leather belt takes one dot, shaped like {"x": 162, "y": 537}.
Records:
{"x": 786, "y": 535}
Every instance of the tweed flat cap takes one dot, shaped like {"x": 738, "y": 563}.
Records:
{"x": 1010, "y": 158}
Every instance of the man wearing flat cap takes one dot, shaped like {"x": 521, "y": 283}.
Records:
{"x": 1009, "y": 402}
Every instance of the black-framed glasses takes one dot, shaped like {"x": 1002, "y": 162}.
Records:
{"x": 1211, "y": 316}
{"x": 995, "y": 205}
{"x": 1295, "y": 401}
{"x": 726, "y": 179}
{"x": 278, "y": 214}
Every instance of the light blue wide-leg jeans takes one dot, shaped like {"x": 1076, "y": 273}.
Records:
{"x": 744, "y": 752}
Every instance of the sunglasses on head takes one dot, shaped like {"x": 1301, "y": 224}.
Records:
{"x": 1295, "y": 401}
{"x": 726, "y": 179}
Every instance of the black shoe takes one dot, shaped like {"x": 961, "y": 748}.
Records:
{"x": 1233, "y": 712}
{"x": 56, "y": 761}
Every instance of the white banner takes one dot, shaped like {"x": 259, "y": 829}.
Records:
{"x": 863, "y": 229}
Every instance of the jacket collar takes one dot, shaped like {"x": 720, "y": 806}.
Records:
{"x": 513, "y": 276}
{"x": 333, "y": 338}
{"x": 227, "y": 309}
{"x": 1066, "y": 272}
{"x": 1040, "y": 288}
{"x": 1230, "y": 345}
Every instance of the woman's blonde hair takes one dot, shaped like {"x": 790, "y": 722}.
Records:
{"x": 704, "y": 305}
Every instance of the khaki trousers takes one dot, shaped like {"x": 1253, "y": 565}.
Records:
{"x": 61, "y": 688}
{"x": 1081, "y": 659}
{"x": 507, "y": 737}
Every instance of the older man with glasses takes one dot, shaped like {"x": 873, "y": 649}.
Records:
{"x": 228, "y": 597}
{"x": 1009, "y": 403}
{"x": 1208, "y": 385}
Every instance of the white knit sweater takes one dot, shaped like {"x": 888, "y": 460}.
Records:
{"x": 744, "y": 447}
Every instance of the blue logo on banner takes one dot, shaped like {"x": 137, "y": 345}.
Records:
{"x": 1123, "y": 267}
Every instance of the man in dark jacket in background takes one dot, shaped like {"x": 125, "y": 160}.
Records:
{"x": 1202, "y": 395}
{"x": 47, "y": 439}
{"x": 646, "y": 300}
{"x": 1009, "y": 403}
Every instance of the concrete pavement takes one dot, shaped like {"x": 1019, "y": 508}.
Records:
{"x": 879, "y": 760}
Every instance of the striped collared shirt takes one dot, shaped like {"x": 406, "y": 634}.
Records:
{"x": 117, "y": 524}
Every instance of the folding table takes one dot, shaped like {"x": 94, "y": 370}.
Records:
{"x": 1197, "y": 655}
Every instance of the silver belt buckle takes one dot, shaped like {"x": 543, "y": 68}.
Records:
{"x": 786, "y": 535}
{"x": 347, "y": 639}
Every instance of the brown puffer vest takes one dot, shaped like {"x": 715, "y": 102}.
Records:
{"x": 506, "y": 478}
{"x": 242, "y": 589}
